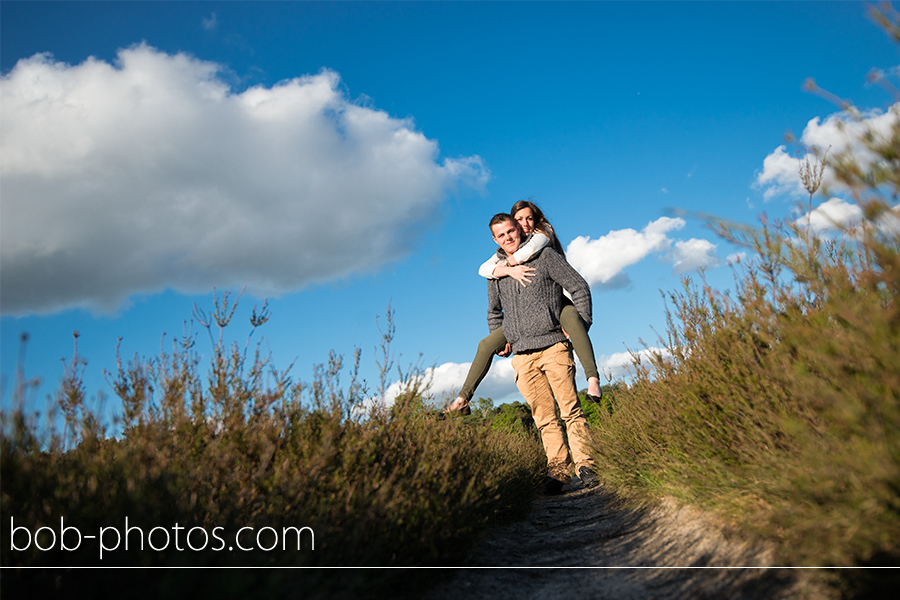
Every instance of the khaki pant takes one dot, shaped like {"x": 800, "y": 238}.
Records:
{"x": 540, "y": 376}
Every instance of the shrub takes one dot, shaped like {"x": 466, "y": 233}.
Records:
{"x": 778, "y": 405}
{"x": 244, "y": 446}
{"x": 514, "y": 418}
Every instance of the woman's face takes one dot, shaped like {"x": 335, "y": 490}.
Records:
{"x": 525, "y": 218}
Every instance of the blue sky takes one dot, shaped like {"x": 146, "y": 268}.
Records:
{"x": 340, "y": 157}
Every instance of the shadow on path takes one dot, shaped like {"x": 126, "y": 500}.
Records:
{"x": 589, "y": 544}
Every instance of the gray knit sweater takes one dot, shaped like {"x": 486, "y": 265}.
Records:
{"x": 530, "y": 315}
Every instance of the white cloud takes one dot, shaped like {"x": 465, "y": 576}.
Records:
{"x": 837, "y": 215}
{"x": 835, "y": 134}
{"x": 842, "y": 134}
{"x": 152, "y": 173}
{"x": 444, "y": 381}
{"x": 780, "y": 176}
{"x": 693, "y": 254}
{"x": 602, "y": 261}
{"x": 832, "y": 215}
{"x": 620, "y": 365}
{"x": 889, "y": 223}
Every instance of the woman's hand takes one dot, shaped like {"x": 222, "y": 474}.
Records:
{"x": 521, "y": 273}
{"x": 511, "y": 260}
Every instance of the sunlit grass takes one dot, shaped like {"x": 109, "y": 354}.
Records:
{"x": 778, "y": 404}
{"x": 239, "y": 444}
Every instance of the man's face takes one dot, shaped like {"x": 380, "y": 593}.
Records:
{"x": 507, "y": 236}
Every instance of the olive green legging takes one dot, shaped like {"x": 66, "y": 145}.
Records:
{"x": 496, "y": 341}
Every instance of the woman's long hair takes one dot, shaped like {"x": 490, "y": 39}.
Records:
{"x": 540, "y": 223}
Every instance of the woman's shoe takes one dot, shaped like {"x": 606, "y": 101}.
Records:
{"x": 591, "y": 397}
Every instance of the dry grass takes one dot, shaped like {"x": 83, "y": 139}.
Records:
{"x": 778, "y": 405}
{"x": 241, "y": 445}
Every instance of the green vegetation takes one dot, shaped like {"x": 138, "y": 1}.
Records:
{"x": 243, "y": 446}
{"x": 779, "y": 405}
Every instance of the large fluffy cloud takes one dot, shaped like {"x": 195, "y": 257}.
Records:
{"x": 835, "y": 134}
{"x": 602, "y": 261}
{"x": 152, "y": 173}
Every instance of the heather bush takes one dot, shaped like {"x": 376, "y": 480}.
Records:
{"x": 778, "y": 404}
{"x": 242, "y": 445}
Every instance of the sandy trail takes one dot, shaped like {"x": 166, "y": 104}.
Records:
{"x": 667, "y": 552}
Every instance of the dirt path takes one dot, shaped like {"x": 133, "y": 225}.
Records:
{"x": 666, "y": 553}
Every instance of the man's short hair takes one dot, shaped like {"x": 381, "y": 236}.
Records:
{"x": 500, "y": 218}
